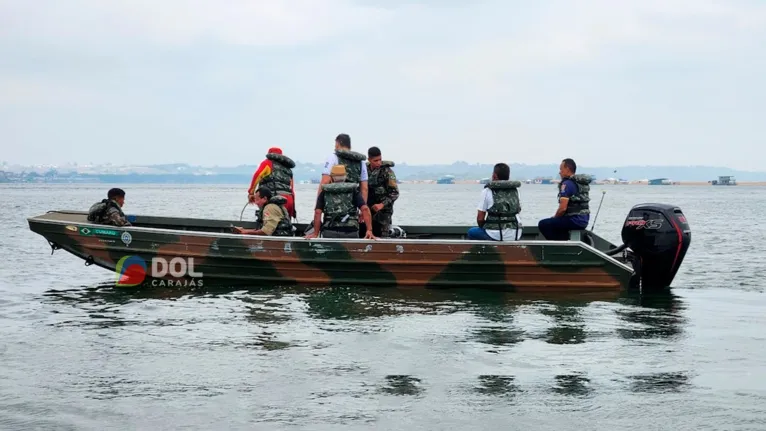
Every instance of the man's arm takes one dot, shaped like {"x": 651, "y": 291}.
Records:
{"x": 331, "y": 161}
{"x": 363, "y": 188}
{"x": 325, "y": 180}
{"x": 263, "y": 169}
{"x": 567, "y": 190}
{"x": 317, "y": 220}
{"x": 318, "y": 209}
{"x": 482, "y": 208}
{"x": 367, "y": 217}
{"x": 393, "y": 190}
{"x": 115, "y": 218}
{"x": 363, "y": 181}
{"x": 480, "y": 218}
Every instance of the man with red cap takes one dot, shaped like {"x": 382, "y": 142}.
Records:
{"x": 275, "y": 173}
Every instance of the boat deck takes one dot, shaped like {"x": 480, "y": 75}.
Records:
{"x": 413, "y": 232}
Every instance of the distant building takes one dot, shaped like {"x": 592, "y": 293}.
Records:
{"x": 659, "y": 182}
{"x": 726, "y": 180}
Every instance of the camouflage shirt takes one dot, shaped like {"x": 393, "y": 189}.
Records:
{"x": 382, "y": 186}
{"x": 107, "y": 212}
{"x": 273, "y": 219}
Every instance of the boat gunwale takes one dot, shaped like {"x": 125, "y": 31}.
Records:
{"x": 520, "y": 243}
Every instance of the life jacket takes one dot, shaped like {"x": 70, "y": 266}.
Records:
{"x": 278, "y": 182}
{"x": 97, "y": 211}
{"x": 578, "y": 203}
{"x": 505, "y": 205}
{"x": 352, "y": 161}
{"x": 284, "y": 227}
{"x": 339, "y": 209}
{"x": 378, "y": 181}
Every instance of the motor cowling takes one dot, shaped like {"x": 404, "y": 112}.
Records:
{"x": 659, "y": 235}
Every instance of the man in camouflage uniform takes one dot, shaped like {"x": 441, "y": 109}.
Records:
{"x": 272, "y": 217}
{"x": 498, "y": 209}
{"x": 383, "y": 192}
{"x": 573, "y": 212}
{"x": 340, "y": 203}
{"x": 109, "y": 210}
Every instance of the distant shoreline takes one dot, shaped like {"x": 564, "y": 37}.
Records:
{"x": 632, "y": 183}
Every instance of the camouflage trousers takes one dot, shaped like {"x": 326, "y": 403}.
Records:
{"x": 381, "y": 222}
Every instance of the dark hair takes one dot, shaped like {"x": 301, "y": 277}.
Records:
{"x": 570, "y": 164}
{"x": 264, "y": 193}
{"x": 343, "y": 140}
{"x": 502, "y": 171}
{"x": 115, "y": 193}
{"x": 373, "y": 152}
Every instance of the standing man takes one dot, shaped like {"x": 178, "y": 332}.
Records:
{"x": 356, "y": 169}
{"x": 275, "y": 174}
{"x": 340, "y": 202}
{"x": 499, "y": 207}
{"x": 573, "y": 212}
{"x": 383, "y": 192}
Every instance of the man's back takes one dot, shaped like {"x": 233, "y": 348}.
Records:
{"x": 485, "y": 203}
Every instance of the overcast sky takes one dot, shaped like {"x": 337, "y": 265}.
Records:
{"x": 606, "y": 82}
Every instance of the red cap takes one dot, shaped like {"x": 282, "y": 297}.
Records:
{"x": 275, "y": 150}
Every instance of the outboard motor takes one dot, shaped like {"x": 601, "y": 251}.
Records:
{"x": 659, "y": 235}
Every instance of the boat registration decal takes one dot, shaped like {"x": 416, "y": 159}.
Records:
{"x": 98, "y": 231}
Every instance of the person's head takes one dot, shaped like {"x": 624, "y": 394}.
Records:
{"x": 567, "y": 168}
{"x": 343, "y": 142}
{"x": 275, "y": 150}
{"x": 262, "y": 196}
{"x": 375, "y": 158}
{"x": 117, "y": 195}
{"x": 501, "y": 172}
{"x": 338, "y": 174}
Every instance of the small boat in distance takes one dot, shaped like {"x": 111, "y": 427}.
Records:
{"x": 655, "y": 239}
{"x": 446, "y": 179}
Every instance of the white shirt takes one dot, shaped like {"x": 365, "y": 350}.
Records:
{"x": 333, "y": 160}
{"x": 485, "y": 203}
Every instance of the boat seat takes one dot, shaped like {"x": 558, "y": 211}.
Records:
{"x": 580, "y": 235}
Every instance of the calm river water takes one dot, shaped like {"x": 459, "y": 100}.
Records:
{"x": 77, "y": 353}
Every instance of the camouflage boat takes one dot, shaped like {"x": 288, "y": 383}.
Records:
{"x": 192, "y": 252}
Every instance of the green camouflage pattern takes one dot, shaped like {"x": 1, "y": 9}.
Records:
{"x": 352, "y": 161}
{"x": 430, "y": 256}
{"x": 382, "y": 186}
{"x": 579, "y": 203}
{"x": 107, "y": 212}
{"x": 281, "y": 174}
{"x": 505, "y": 205}
{"x": 285, "y": 226}
{"x": 339, "y": 209}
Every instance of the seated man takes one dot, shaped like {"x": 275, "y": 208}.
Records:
{"x": 501, "y": 205}
{"x": 273, "y": 218}
{"x": 340, "y": 203}
{"x": 109, "y": 210}
{"x": 573, "y": 212}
